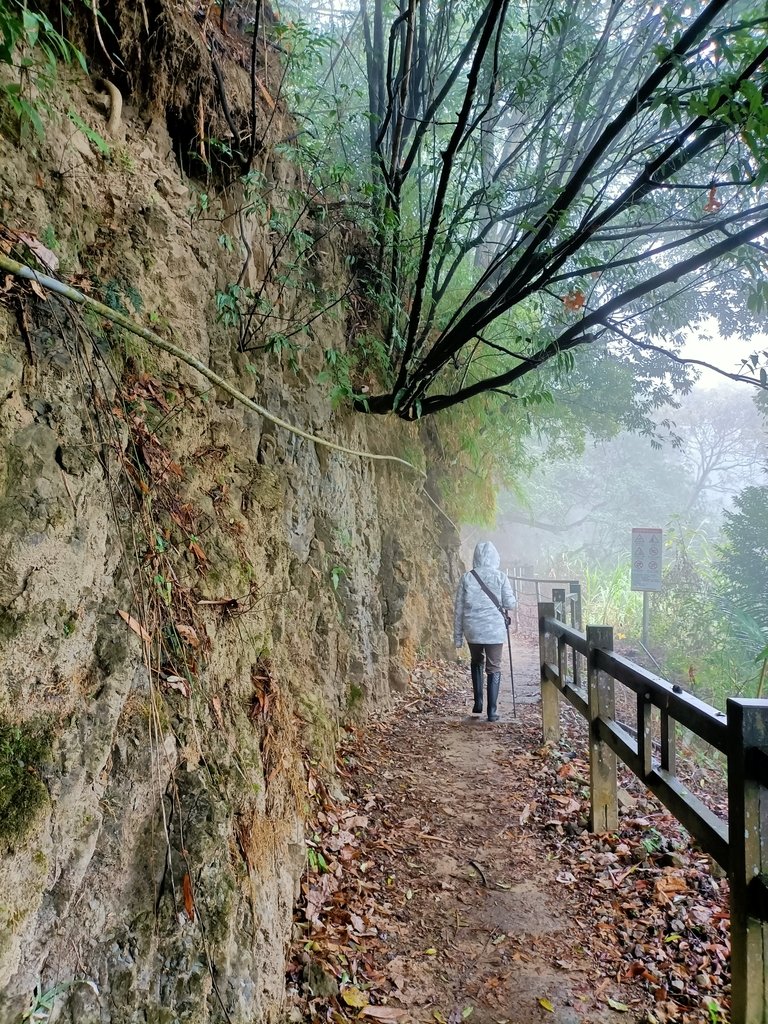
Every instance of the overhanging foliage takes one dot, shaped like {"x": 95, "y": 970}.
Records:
{"x": 547, "y": 176}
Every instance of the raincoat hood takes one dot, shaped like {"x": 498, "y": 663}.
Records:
{"x": 486, "y": 556}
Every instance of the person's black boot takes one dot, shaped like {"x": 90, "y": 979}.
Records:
{"x": 494, "y": 682}
{"x": 477, "y": 688}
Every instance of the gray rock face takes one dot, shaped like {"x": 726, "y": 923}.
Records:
{"x": 267, "y": 588}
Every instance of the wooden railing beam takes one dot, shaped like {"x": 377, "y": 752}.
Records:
{"x": 698, "y": 819}
{"x": 688, "y": 710}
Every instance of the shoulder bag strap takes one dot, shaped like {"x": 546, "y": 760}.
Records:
{"x": 489, "y": 593}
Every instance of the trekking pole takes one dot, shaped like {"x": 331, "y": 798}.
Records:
{"x": 511, "y": 675}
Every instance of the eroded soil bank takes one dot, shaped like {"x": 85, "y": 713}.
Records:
{"x": 192, "y": 598}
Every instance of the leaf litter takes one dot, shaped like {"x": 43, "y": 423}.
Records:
{"x": 455, "y": 877}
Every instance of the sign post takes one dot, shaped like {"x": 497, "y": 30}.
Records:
{"x": 646, "y": 570}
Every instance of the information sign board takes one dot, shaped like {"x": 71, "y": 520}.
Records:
{"x": 646, "y": 559}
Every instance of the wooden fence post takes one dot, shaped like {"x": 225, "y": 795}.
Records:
{"x": 550, "y": 696}
{"x": 558, "y": 597}
{"x": 748, "y": 855}
{"x": 644, "y": 734}
{"x": 602, "y": 760}
{"x": 575, "y": 589}
{"x": 668, "y": 748}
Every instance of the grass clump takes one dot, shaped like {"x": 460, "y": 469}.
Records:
{"x": 23, "y": 749}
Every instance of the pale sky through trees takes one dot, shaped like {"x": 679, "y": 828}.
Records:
{"x": 705, "y": 342}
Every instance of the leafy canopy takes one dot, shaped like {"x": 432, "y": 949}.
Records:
{"x": 543, "y": 176}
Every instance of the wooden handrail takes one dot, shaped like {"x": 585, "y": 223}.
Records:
{"x": 539, "y": 579}
{"x": 570, "y": 603}
{"x": 739, "y": 844}
{"x": 701, "y": 718}
{"x": 573, "y": 637}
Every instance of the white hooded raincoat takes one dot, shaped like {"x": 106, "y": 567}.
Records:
{"x": 475, "y": 616}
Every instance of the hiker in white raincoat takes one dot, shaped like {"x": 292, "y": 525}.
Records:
{"x": 482, "y": 623}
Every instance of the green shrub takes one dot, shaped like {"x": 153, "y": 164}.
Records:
{"x": 31, "y": 45}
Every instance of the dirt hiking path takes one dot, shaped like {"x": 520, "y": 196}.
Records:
{"x": 450, "y": 902}
{"x": 507, "y": 942}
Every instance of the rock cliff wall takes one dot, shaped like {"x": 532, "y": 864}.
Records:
{"x": 191, "y": 599}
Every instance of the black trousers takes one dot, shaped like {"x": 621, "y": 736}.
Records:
{"x": 490, "y": 653}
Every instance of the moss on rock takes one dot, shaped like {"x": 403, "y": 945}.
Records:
{"x": 23, "y": 749}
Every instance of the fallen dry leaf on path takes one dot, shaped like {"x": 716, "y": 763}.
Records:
{"x": 385, "y": 1013}
{"x": 354, "y": 997}
{"x": 616, "y": 1005}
